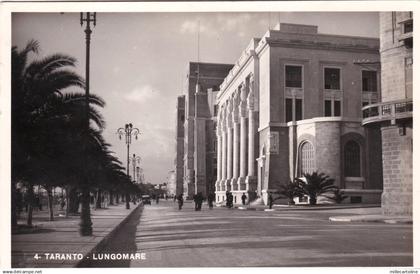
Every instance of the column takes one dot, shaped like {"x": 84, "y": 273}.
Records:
{"x": 224, "y": 162}
{"x": 252, "y": 100}
{"x": 244, "y": 135}
{"x": 219, "y": 153}
{"x": 236, "y": 138}
{"x": 229, "y": 145}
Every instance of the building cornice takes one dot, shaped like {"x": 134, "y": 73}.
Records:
{"x": 272, "y": 42}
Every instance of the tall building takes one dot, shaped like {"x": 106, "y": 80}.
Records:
{"x": 202, "y": 82}
{"x": 292, "y": 104}
{"x": 394, "y": 113}
{"x": 179, "y": 147}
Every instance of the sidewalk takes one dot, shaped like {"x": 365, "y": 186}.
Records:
{"x": 373, "y": 218}
{"x": 61, "y": 237}
{"x": 305, "y": 207}
{"x": 359, "y": 212}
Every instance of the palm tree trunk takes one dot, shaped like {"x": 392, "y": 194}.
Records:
{"x": 85, "y": 220}
{"x": 98, "y": 199}
{"x": 31, "y": 204}
{"x": 67, "y": 202}
{"x": 73, "y": 200}
{"x": 50, "y": 203}
{"x": 111, "y": 197}
{"x": 127, "y": 201}
{"x": 14, "y": 208}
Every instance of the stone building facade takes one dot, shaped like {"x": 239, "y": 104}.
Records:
{"x": 292, "y": 104}
{"x": 199, "y": 164}
{"x": 394, "y": 113}
{"x": 179, "y": 147}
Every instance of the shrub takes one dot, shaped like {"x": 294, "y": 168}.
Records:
{"x": 315, "y": 185}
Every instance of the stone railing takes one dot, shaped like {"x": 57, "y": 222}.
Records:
{"x": 387, "y": 111}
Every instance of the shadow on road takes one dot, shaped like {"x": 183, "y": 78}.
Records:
{"x": 124, "y": 241}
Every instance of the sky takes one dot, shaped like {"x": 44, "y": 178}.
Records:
{"x": 138, "y": 62}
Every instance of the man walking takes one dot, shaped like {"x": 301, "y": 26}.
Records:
{"x": 210, "y": 200}
{"x": 270, "y": 201}
{"x": 180, "y": 201}
{"x": 243, "y": 199}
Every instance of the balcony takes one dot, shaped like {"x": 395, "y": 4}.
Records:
{"x": 387, "y": 111}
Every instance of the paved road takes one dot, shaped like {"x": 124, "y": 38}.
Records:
{"x": 231, "y": 237}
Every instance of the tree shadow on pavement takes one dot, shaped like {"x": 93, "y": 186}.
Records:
{"x": 124, "y": 241}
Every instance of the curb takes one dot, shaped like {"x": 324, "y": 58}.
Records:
{"x": 287, "y": 208}
{"x": 376, "y": 220}
{"x": 101, "y": 244}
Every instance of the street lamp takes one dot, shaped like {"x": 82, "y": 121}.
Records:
{"x": 85, "y": 226}
{"x": 138, "y": 174}
{"x": 128, "y": 131}
{"x": 135, "y": 159}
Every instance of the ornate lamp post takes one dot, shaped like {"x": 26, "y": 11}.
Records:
{"x": 85, "y": 226}
{"x": 128, "y": 131}
{"x": 138, "y": 175}
{"x": 134, "y": 160}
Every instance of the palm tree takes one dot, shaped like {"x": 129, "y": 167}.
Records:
{"x": 290, "y": 191}
{"x": 316, "y": 184}
{"x": 45, "y": 119}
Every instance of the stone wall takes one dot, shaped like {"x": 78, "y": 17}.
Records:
{"x": 397, "y": 153}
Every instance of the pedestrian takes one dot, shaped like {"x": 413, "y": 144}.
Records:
{"x": 243, "y": 199}
{"x": 62, "y": 202}
{"x": 270, "y": 200}
{"x": 38, "y": 202}
{"x": 157, "y": 199}
{"x": 180, "y": 201}
{"x": 195, "y": 199}
{"x": 26, "y": 200}
{"x": 19, "y": 202}
{"x": 210, "y": 200}
{"x": 229, "y": 201}
{"x": 200, "y": 199}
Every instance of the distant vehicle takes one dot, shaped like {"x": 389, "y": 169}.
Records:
{"x": 146, "y": 199}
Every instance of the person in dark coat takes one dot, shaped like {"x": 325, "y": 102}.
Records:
{"x": 200, "y": 199}
{"x": 270, "y": 201}
{"x": 230, "y": 200}
{"x": 180, "y": 201}
{"x": 243, "y": 199}
{"x": 210, "y": 200}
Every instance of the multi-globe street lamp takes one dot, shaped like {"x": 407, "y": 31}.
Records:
{"x": 85, "y": 226}
{"x": 138, "y": 174}
{"x": 128, "y": 131}
{"x": 135, "y": 160}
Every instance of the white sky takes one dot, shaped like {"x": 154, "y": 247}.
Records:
{"x": 138, "y": 62}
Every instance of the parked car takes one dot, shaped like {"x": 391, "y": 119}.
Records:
{"x": 146, "y": 199}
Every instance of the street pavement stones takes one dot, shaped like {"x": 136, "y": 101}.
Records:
{"x": 61, "y": 236}
{"x": 225, "y": 237}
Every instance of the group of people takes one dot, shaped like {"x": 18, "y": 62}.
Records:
{"x": 198, "y": 200}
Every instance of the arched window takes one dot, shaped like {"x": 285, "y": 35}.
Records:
{"x": 307, "y": 156}
{"x": 352, "y": 159}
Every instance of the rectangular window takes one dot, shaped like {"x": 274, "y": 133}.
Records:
{"x": 365, "y": 103}
{"x": 289, "y": 109}
{"x": 327, "y": 108}
{"x": 408, "y": 26}
{"x": 293, "y": 76}
{"x": 369, "y": 81}
{"x": 337, "y": 108}
{"x": 299, "y": 111}
{"x": 331, "y": 78}
{"x": 215, "y": 110}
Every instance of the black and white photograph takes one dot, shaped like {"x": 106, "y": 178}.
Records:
{"x": 173, "y": 139}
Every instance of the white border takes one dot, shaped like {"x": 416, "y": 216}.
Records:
{"x": 26, "y": 6}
